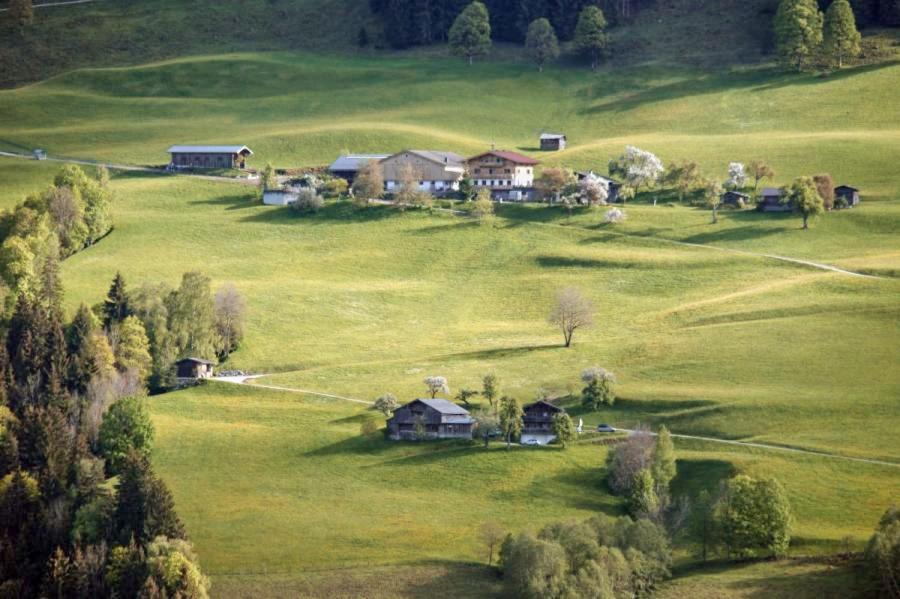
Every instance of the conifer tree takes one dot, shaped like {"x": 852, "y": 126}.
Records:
{"x": 841, "y": 38}
{"x": 541, "y": 42}
{"x": 470, "y": 34}
{"x": 798, "y": 32}
{"x": 116, "y": 306}
{"x": 591, "y": 38}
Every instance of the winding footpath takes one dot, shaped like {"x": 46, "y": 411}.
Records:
{"x": 243, "y": 380}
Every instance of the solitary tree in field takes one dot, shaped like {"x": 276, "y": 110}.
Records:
{"x": 639, "y": 168}
{"x": 712, "y": 196}
{"x": 591, "y": 39}
{"x": 436, "y": 384}
{"x": 571, "y": 311}
{"x": 464, "y": 395}
{"x": 491, "y": 534}
{"x": 806, "y": 199}
{"x": 563, "y": 429}
{"x": 510, "y": 418}
{"x": 541, "y": 42}
{"x": 21, "y": 12}
{"x": 490, "y": 389}
{"x": 841, "y": 38}
{"x": 759, "y": 170}
{"x": 368, "y": 183}
{"x": 598, "y": 390}
{"x": 798, "y": 32}
{"x": 470, "y": 34}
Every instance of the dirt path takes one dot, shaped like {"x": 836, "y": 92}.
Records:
{"x": 46, "y": 4}
{"x": 242, "y": 380}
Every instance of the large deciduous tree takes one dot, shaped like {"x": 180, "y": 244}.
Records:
{"x": 571, "y": 311}
{"x": 798, "y": 32}
{"x": 639, "y": 168}
{"x": 597, "y": 391}
{"x": 470, "y": 34}
{"x": 126, "y": 428}
{"x": 825, "y": 186}
{"x": 541, "y": 42}
{"x": 684, "y": 176}
{"x": 755, "y": 517}
{"x": 840, "y": 37}
{"x": 368, "y": 184}
{"x": 591, "y": 39}
{"x": 552, "y": 182}
{"x": 192, "y": 321}
{"x": 759, "y": 170}
{"x": 230, "y": 309}
{"x": 386, "y": 404}
{"x": 805, "y": 199}
{"x": 510, "y": 418}
{"x": 563, "y": 429}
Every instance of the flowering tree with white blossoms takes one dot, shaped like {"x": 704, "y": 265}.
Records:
{"x": 614, "y": 216}
{"x": 638, "y": 167}
{"x": 736, "y": 176}
{"x": 437, "y": 384}
{"x": 594, "y": 190}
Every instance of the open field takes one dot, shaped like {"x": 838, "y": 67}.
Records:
{"x": 282, "y": 495}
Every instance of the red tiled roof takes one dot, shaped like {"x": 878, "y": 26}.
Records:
{"x": 511, "y": 156}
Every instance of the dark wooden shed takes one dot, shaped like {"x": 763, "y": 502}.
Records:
{"x": 771, "y": 201}
{"x": 209, "y": 156}
{"x": 735, "y": 198}
{"x": 194, "y": 368}
{"x": 846, "y": 196}
{"x": 552, "y": 142}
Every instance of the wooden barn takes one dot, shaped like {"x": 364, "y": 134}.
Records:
{"x": 348, "y": 165}
{"x": 771, "y": 201}
{"x": 552, "y": 142}
{"x": 846, "y": 196}
{"x": 193, "y": 368}
{"x": 537, "y": 422}
{"x": 423, "y": 419}
{"x": 735, "y": 198}
{"x": 209, "y": 156}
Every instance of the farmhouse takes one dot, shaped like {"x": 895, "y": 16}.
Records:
{"x": 209, "y": 156}
{"x": 846, "y": 195}
{"x": 193, "y": 368}
{"x": 771, "y": 201}
{"x": 430, "y": 419}
{"x": 734, "y": 198}
{"x": 508, "y": 175}
{"x": 551, "y": 142}
{"x": 348, "y": 165}
{"x": 537, "y": 422}
{"x": 437, "y": 172}
{"x": 612, "y": 187}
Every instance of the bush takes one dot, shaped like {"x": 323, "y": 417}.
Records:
{"x": 883, "y": 555}
{"x": 335, "y": 188}
{"x": 614, "y": 216}
{"x": 308, "y": 201}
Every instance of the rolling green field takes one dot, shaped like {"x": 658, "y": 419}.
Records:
{"x": 281, "y": 493}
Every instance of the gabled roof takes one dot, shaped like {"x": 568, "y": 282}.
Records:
{"x": 507, "y": 155}
{"x": 607, "y": 180}
{"x": 544, "y": 404}
{"x": 196, "y": 361}
{"x": 845, "y": 187}
{"x": 436, "y": 156}
{"x": 731, "y": 192}
{"x": 553, "y": 135}
{"x": 210, "y": 149}
{"x": 444, "y": 407}
{"x": 771, "y": 191}
{"x": 354, "y": 162}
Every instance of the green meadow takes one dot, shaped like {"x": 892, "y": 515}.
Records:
{"x": 281, "y": 493}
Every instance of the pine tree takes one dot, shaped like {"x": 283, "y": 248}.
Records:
{"x": 145, "y": 508}
{"x": 116, "y": 305}
{"x": 470, "y": 34}
{"x": 841, "y": 38}
{"x": 132, "y": 348}
{"x": 590, "y": 35}
{"x": 798, "y": 32}
{"x": 541, "y": 42}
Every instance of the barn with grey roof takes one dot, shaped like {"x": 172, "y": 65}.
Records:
{"x": 423, "y": 419}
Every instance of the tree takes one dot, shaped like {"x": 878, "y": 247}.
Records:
{"x": 144, "y": 505}
{"x": 563, "y": 429}
{"x": 230, "y": 309}
{"x": 126, "y": 428}
{"x": 662, "y": 462}
{"x": 571, "y": 311}
{"x": 684, "y": 177}
{"x": 627, "y": 459}
{"x": 805, "y": 198}
{"x": 483, "y": 208}
{"x": 386, "y": 404}
{"x": 703, "y": 522}
{"x": 116, "y": 307}
{"x": 639, "y": 168}
{"x": 552, "y": 182}
{"x": 825, "y": 186}
{"x": 541, "y": 42}
{"x": 736, "y": 175}
{"x": 883, "y": 555}
{"x": 591, "y": 39}
{"x": 491, "y": 534}
{"x": 308, "y": 200}
{"x": 486, "y": 425}
{"x": 436, "y": 384}
{"x": 840, "y": 37}
{"x": 470, "y": 34}
{"x": 467, "y": 189}
{"x": 598, "y": 390}
{"x": 594, "y": 191}
{"x": 368, "y": 183}
{"x": 21, "y": 12}
{"x": 534, "y": 568}
{"x": 798, "y": 32}
{"x": 643, "y": 500}
{"x": 614, "y": 216}
{"x": 192, "y": 321}
{"x": 131, "y": 347}
{"x": 490, "y": 389}
{"x": 712, "y": 196}
{"x": 463, "y": 396}
{"x": 755, "y": 515}
{"x": 510, "y": 418}
{"x": 267, "y": 180}
{"x": 760, "y": 170}
{"x": 174, "y": 570}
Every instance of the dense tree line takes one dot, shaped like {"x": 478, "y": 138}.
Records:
{"x": 72, "y": 414}
{"x": 418, "y": 22}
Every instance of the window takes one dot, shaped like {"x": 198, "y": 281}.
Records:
{"x": 506, "y": 170}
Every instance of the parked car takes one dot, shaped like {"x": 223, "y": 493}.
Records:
{"x": 531, "y": 442}
{"x": 605, "y": 428}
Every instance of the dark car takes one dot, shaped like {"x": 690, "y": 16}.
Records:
{"x": 605, "y": 428}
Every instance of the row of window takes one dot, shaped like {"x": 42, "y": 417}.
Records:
{"x": 490, "y": 171}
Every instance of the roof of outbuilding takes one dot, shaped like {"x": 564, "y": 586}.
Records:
{"x": 553, "y": 135}
{"x": 196, "y": 360}
{"x": 441, "y": 157}
{"x": 846, "y": 187}
{"x": 507, "y": 155}
{"x": 354, "y": 162}
{"x": 731, "y": 192}
{"x": 209, "y": 149}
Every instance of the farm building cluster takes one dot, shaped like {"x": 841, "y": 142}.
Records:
{"x": 428, "y": 419}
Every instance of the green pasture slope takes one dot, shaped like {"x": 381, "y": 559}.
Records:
{"x": 281, "y": 493}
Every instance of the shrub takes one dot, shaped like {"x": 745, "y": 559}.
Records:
{"x": 308, "y": 201}
{"x": 335, "y": 188}
{"x": 883, "y": 555}
{"x": 614, "y": 216}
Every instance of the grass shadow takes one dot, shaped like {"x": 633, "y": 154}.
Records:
{"x": 501, "y": 352}
{"x": 694, "y": 476}
{"x": 330, "y": 214}
{"x": 230, "y": 202}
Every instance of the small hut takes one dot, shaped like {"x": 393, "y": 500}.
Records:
{"x": 553, "y": 142}
{"x": 846, "y": 196}
{"x": 193, "y": 368}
